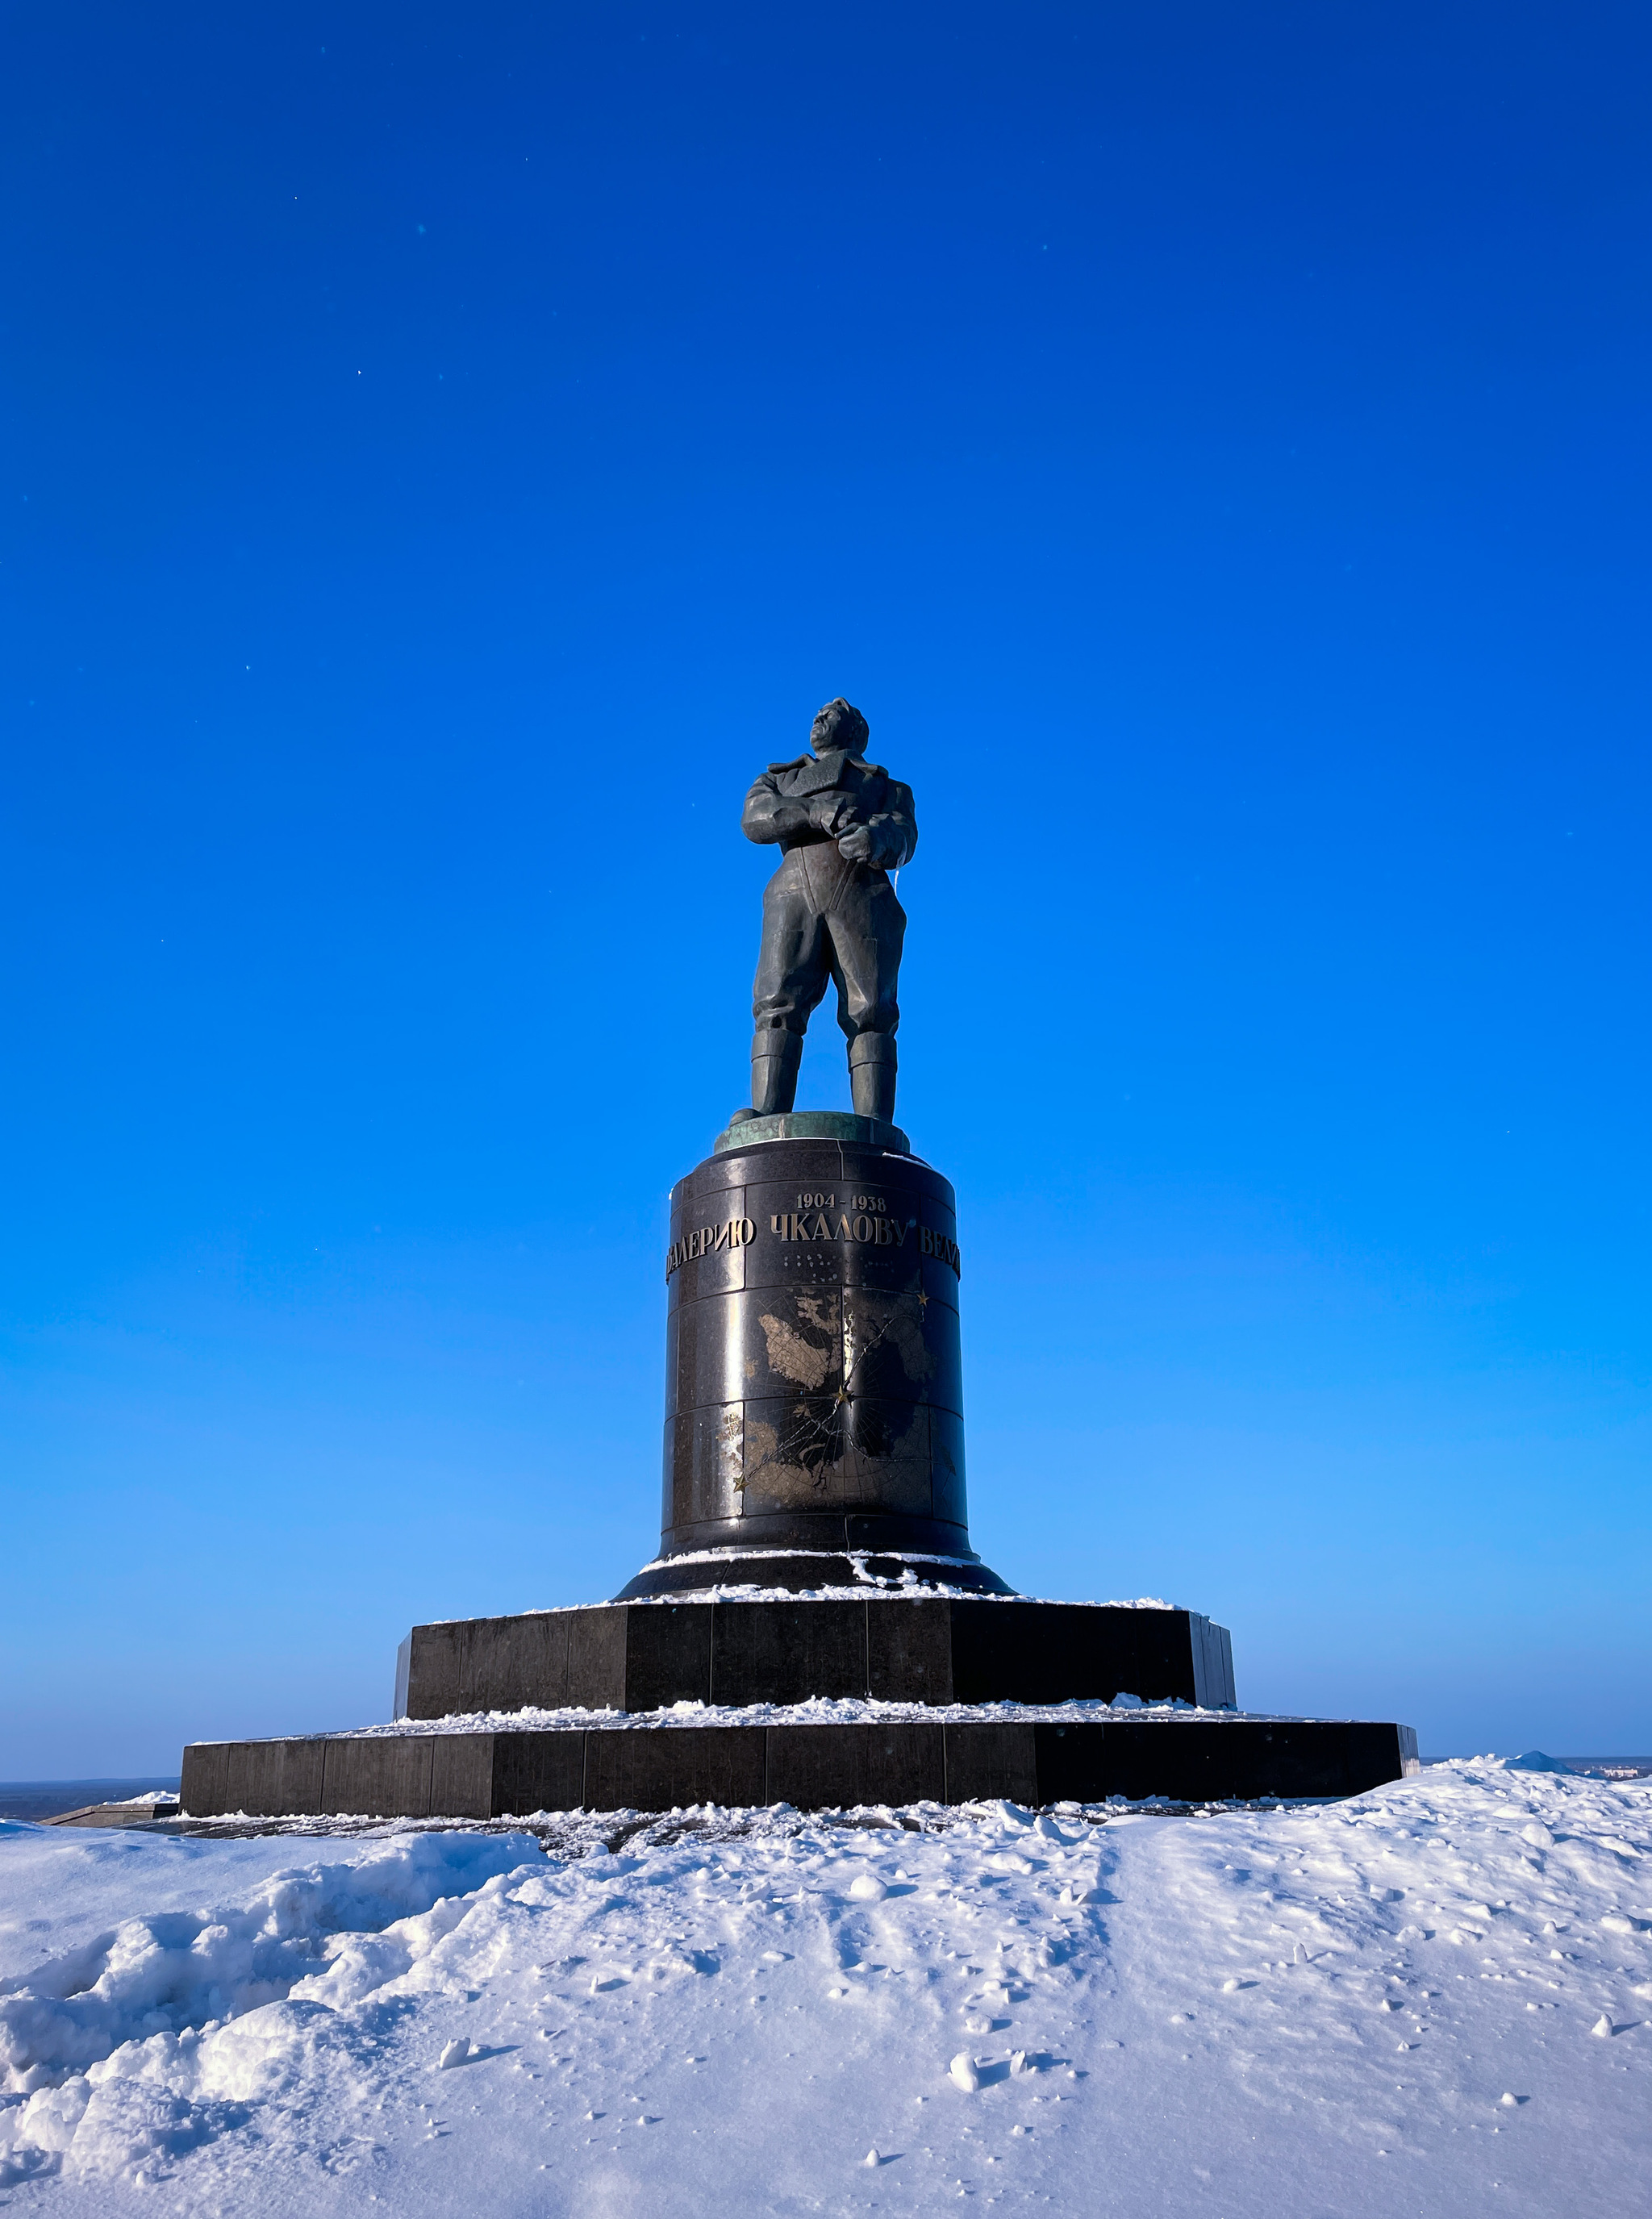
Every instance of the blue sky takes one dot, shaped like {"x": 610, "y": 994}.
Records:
{"x": 447, "y": 452}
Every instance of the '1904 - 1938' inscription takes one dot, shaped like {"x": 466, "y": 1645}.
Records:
{"x": 816, "y": 1225}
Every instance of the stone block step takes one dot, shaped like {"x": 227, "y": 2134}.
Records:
{"x": 647, "y": 1656}
{"x": 811, "y": 1767}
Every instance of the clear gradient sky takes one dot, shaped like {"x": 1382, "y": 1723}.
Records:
{"x": 448, "y": 451}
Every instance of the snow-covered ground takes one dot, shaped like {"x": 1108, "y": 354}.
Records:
{"x": 1435, "y": 1998}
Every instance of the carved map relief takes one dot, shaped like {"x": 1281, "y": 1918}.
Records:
{"x": 806, "y": 1348}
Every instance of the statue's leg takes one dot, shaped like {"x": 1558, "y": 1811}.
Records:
{"x": 776, "y": 1059}
{"x": 872, "y": 1075}
{"x": 867, "y": 926}
{"x": 791, "y": 974}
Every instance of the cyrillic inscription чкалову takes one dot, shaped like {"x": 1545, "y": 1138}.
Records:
{"x": 818, "y": 1225}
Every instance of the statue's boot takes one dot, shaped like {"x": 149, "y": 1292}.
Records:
{"x": 775, "y": 1058}
{"x": 872, "y": 1075}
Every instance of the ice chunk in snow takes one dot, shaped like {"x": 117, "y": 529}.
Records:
{"x": 867, "y": 1887}
{"x": 1603, "y": 2026}
{"x": 456, "y": 2053}
{"x": 870, "y": 2158}
{"x": 51, "y": 2115}
{"x": 964, "y": 2073}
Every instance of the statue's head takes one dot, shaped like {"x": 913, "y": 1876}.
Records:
{"x": 839, "y": 726}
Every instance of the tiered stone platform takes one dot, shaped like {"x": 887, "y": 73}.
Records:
{"x": 813, "y": 1464}
{"x": 666, "y": 1765}
{"x": 644, "y": 1657}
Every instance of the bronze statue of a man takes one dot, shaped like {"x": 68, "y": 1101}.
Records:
{"x": 829, "y": 912}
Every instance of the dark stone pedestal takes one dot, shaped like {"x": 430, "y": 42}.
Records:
{"x": 514, "y": 1775}
{"x": 644, "y": 1657}
{"x": 814, "y": 1441}
{"x": 814, "y": 1386}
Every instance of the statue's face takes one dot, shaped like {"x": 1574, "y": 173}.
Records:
{"x": 833, "y": 731}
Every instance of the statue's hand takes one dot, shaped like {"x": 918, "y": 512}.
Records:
{"x": 832, "y": 813}
{"x": 855, "y": 845}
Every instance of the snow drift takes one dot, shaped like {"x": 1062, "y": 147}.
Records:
{"x": 1433, "y": 1998}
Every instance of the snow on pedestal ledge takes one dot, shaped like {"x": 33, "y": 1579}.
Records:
{"x": 747, "y": 2010}
{"x": 820, "y": 1709}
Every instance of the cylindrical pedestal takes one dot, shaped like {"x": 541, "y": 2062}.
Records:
{"x": 814, "y": 1429}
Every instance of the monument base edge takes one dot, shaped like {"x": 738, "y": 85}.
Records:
{"x": 810, "y": 1767}
{"x": 708, "y": 1572}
